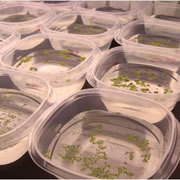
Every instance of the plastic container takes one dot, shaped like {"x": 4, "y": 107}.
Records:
{"x": 100, "y": 133}
{"x": 95, "y": 27}
{"x": 125, "y": 11}
{"x": 8, "y": 37}
{"x": 24, "y": 97}
{"x": 60, "y": 60}
{"x": 25, "y": 17}
{"x": 61, "y": 6}
{"x": 161, "y": 13}
{"x": 127, "y": 71}
{"x": 157, "y": 36}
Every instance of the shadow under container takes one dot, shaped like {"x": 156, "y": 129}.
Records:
{"x": 8, "y": 37}
{"x": 138, "y": 34}
{"x": 25, "y": 17}
{"x": 125, "y": 11}
{"x": 161, "y": 13}
{"x": 24, "y": 97}
{"x": 118, "y": 124}
{"x": 127, "y": 71}
{"x": 96, "y": 27}
{"x": 62, "y": 61}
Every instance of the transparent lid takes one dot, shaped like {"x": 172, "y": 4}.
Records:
{"x": 100, "y": 133}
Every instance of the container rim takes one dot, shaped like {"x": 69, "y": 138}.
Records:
{"x": 14, "y": 36}
{"x": 49, "y": 13}
{"x": 91, "y": 74}
{"x": 72, "y": 72}
{"x": 119, "y": 35}
{"x": 128, "y": 12}
{"x": 142, "y": 15}
{"x": 45, "y": 26}
{"x": 48, "y": 95}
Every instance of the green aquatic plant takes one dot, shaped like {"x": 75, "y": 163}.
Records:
{"x": 143, "y": 146}
{"x": 46, "y": 52}
{"x": 130, "y": 154}
{"x": 33, "y": 69}
{"x": 72, "y": 153}
{"x": 47, "y": 155}
{"x": 61, "y": 63}
{"x": 82, "y": 59}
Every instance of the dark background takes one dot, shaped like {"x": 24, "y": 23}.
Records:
{"x": 25, "y": 168}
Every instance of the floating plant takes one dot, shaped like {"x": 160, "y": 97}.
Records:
{"x": 155, "y": 40}
{"x": 83, "y": 29}
{"x": 141, "y": 80}
{"x": 49, "y": 58}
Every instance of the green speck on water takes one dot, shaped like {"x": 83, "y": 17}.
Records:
{"x": 165, "y": 74}
{"x": 46, "y": 52}
{"x": 26, "y": 59}
{"x": 131, "y": 155}
{"x": 138, "y": 73}
{"x": 68, "y": 80}
{"x": 82, "y": 59}
{"x": 146, "y": 157}
{"x": 61, "y": 63}
{"x": 47, "y": 155}
{"x": 46, "y": 62}
{"x": 75, "y": 27}
{"x": 67, "y": 57}
{"x": 64, "y": 52}
{"x": 6, "y": 122}
{"x": 33, "y": 69}
{"x": 12, "y": 116}
{"x": 140, "y": 38}
{"x": 152, "y": 76}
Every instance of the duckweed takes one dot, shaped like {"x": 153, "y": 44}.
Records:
{"x": 33, "y": 69}
{"x": 143, "y": 146}
{"x": 90, "y": 162}
{"x": 137, "y": 84}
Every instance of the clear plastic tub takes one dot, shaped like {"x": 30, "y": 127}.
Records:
{"x": 25, "y": 17}
{"x": 8, "y": 37}
{"x": 155, "y": 35}
{"x": 106, "y": 134}
{"x": 125, "y": 11}
{"x": 161, "y": 13}
{"x": 95, "y": 27}
{"x": 60, "y": 60}
{"x": 127, "y": 71}
{"x": 24, "y": 97}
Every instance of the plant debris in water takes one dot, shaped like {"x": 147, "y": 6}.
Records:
{"x": 156, "y": 40}
{"x": 97, "y": 165}
{"x": 19, "y": 18}
{"x": 137, "y": 84}
{"x": 83, "y": 29}
{"x": 64, "y": 58}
